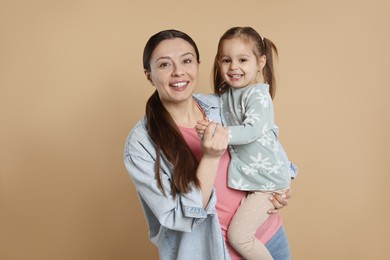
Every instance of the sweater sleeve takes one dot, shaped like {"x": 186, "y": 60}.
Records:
{"x": 258, "y": 118}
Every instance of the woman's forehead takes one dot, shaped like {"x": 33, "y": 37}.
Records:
{"x": 173, "y": 48}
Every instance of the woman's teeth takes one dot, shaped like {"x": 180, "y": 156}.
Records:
{"x": 179, "y": 84}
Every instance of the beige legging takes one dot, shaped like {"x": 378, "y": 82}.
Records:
{"x": 250, "y": 215}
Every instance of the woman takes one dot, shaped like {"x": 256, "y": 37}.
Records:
{"x": 174, "y": 171}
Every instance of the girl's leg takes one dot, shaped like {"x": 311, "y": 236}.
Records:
{"x": 278, "y": 246}
{"x": 250, "y": 215}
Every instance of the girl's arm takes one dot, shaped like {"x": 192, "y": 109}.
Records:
{"x": 258, "y": 122}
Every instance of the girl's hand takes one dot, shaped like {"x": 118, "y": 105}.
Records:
{"x": 201, "y": 126}
{"x": 279, "y": 201}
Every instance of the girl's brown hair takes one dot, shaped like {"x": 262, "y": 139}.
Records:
{"x": 163, "y": 130}
{"x": 262, "y": 46}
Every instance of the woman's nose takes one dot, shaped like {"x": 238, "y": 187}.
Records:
{"x": 177, "y": 70}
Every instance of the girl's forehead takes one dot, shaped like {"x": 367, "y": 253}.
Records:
{"x": 242, "y": 40}
{"x": 237, "y": 45}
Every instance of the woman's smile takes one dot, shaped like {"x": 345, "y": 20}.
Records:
{"x": 179, "y": 85}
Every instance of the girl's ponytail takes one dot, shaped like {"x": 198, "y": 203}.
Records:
{"x": 270, "y": 51}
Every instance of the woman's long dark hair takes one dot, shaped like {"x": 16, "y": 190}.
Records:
{"x": 262, "y": 46}
{"x": 163, "y": 130}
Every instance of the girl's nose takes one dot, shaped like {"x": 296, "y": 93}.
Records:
{"x": 233, "y": 65}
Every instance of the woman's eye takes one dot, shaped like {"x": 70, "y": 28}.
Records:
{"x": 163, "y": 65}
{"x": 187, "y": 61}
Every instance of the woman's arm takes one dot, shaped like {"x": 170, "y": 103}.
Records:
{"x": 186, "y": 210}
{"x": 281, "y": 200}
{"x": 181, "y": 212}
{"x": 214, "y": 144}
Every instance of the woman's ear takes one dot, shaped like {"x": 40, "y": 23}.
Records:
{"x": 147, "y": 74}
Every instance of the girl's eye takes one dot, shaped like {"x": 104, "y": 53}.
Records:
{"x": 243, "y": 60}
{"x": 225, "y": 60}
{"x": 187, "y": 61}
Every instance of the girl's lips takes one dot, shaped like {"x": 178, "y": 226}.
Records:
{"x": 236, "y": 76}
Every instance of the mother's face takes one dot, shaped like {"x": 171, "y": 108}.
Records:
{"x": 174, "y": 70}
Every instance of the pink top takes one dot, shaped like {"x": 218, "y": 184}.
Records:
{"x": 229, "y": 199}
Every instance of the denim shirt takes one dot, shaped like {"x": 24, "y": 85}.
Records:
{"x": 180, "y": 227}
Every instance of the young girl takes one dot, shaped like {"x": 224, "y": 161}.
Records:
{"x": 258, "y": 164}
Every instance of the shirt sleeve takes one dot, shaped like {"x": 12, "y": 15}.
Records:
{"x": 257, "y": 121}
{"x": 182, "y": 212}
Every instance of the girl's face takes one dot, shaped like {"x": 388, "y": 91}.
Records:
{"x": 174, "y": 70}
{"x": 238, "y": 64}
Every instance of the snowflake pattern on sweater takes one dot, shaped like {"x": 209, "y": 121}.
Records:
{"x": 256, "y": 164}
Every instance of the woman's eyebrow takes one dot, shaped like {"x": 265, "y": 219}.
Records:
{"x": 163, "y": 58}
{"x": 188, "y": 53}
{"x": 170, "y": 58}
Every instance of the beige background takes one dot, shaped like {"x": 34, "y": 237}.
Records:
{"x": 72, "y": 87}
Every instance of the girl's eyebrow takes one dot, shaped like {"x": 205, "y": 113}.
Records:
{"x": 239, "y": 55}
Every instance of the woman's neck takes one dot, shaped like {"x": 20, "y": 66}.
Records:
{"x": 185, "y": 114}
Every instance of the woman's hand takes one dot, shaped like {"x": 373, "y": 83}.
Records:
{"x": 215, "y": 140}
{"x": 279, "y": 201}
{"x": 214, "y": 144}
